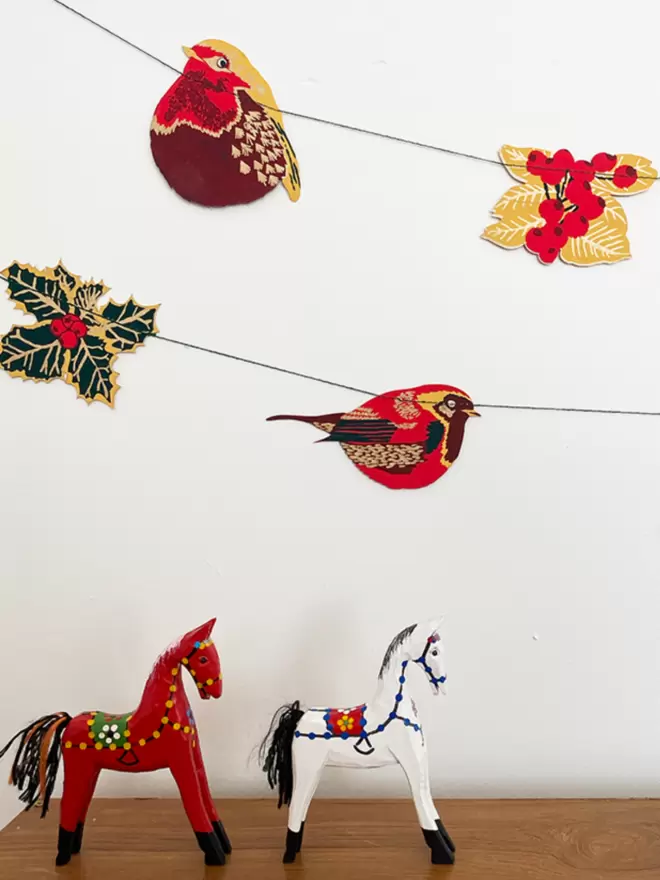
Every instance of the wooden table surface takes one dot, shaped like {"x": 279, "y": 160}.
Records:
{"x": 347, "y": 839}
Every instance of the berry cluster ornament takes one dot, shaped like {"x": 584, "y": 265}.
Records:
{"x": 566, "y": 207}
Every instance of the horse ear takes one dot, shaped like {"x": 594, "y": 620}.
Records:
{"x": 202, "y": 632}
{"x": 435, "y": 624}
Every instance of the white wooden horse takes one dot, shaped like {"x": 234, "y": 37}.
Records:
{"x": 384, "y": 731}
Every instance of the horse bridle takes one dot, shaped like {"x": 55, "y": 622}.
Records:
{"x": 201, "y": 686}
{"x": 421, "y": 661}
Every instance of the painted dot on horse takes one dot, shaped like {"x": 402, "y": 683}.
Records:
{"x": 384, "y": 731}
{"x": 160, "y": 733}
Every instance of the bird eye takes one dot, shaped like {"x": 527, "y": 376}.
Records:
{"x": 451, "y": 403}
{"x": 222, "y": 63}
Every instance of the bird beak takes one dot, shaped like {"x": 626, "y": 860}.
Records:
{"x": 189, "y": 52}
{"x": 472, "y": 412}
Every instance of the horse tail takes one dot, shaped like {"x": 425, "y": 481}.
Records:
{"x": 37, "y": 759}
{"x": 275, "y": 752}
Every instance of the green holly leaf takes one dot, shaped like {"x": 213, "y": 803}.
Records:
{"x": 35, "y": 292}
{"x": 87, "y": 296}
{"x": 128, "y": 324}
{"x": 91, "y": 372}
{"x": 32, "y": 353}
{"x": 66, "y": 280}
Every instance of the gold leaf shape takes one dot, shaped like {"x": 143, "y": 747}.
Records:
{"x": 647, "y": 176}
{"x": 515, "y": 160}
{"x": 605, "y": 241}
{"x": 518, "y": 212}
{"x": 521, "y": 200}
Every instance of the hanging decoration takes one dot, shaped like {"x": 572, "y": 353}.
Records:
{"x": 160, "y": 733}
{"x": 567, "y": 208}
{"x": 217, "y": 134}
{"x": 385, "y": 731}
{"x": 74, "y": 338}
{"x": 404, "y": 439}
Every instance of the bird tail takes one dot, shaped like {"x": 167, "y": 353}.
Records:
{"x": 323, "y": 423}
{"x": 275, "y": 752}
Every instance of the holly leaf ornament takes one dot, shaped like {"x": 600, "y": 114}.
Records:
{"x": 73, "y": 338}
{"x": 565, "y": 208}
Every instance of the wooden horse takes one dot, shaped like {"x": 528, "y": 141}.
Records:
{"x": 160, "y": 733}
{"x": 384, "y": 731}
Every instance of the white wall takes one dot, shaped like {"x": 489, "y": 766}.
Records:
{"x": 121, "y": 529}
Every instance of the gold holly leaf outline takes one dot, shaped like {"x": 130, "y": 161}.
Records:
{"x": 612, "y": 220}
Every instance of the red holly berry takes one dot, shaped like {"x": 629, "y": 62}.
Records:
{"x": 549, "y": 255}
{"x": 583, "y": 170}
{"x": 535, "y": 162}
{"x": 551, "y": 210}
{"x": 578, "y": 190}
{"x": 535, "y": 239}
{"x": 556, "y": 236}
{"x": 575, "y": 224}
{"x": 563, "y": 160}
{"x": 69, "y": 329}
{"x": 603, "y": 162}
{"x": 553, "y": 172}
{"x": 625, "y": 176}
{"x": 69, "y": 339}
{"x": 592, "y": 208}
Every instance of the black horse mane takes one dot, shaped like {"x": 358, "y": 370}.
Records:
{"x": 394, "y": 645}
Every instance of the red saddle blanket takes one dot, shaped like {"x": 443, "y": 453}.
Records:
{"x": 345, "y": 722}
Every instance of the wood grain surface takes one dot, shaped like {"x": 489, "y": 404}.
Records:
{"x": 496, "y": 840}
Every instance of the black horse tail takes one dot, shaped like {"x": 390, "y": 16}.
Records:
{"x": 38, "y": 759}
{"x": 275, "y": 751}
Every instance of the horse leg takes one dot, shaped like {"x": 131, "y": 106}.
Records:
{"x": 205, "y": 789}
{"x": 77, "y": 840}
{"x": 410, "y": 755}
{"x": 428, "y": 797}
{"x": 306, "y": 780}
{"x": 78, "y": 771}
{"x": 185, "y": 776}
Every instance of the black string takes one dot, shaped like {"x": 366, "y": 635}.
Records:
{"x": 277, "y": 369}
{"x": 343, "y": 125}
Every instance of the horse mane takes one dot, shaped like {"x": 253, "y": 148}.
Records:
{"x": 394, "y": 645}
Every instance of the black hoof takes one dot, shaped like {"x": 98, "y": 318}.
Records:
{"x": 77, "y": 839}
{"x": 440, "y": 852}
{"x": 64, "y": 846}
{"x": 225, "y": 843}
{"x": 210, "y": 846}
{"x": 302, "y": 831}
{"x": 293, "y": 844}
{"x": 445, "y": 835}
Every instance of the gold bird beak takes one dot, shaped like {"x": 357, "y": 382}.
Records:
{"x": 189, "y": 52}
{"x": 472, "y": 412}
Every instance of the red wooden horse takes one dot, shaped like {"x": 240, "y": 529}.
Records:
{"x": 160, "y": 733}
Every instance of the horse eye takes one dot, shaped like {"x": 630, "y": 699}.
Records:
{"x": 203, "y": 659}
{"x": 434, "y": 653}
{"x": 222, "y": 63}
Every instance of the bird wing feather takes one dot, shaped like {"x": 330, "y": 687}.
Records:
{"x": 362, "y": 431}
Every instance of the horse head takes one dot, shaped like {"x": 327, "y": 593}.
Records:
{"x": 427, "y": 651}
{"x": 201, "y": 659}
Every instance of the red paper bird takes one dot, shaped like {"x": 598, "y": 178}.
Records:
{"x": 217, "y": 134}
{"x": 403, "y": 439}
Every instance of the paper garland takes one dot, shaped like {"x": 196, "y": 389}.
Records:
{"x": 73, "y": 338}
{"x": 566, "y": 208}
{"x": 217, "y": 134}
{"x": 403, "y": 439}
